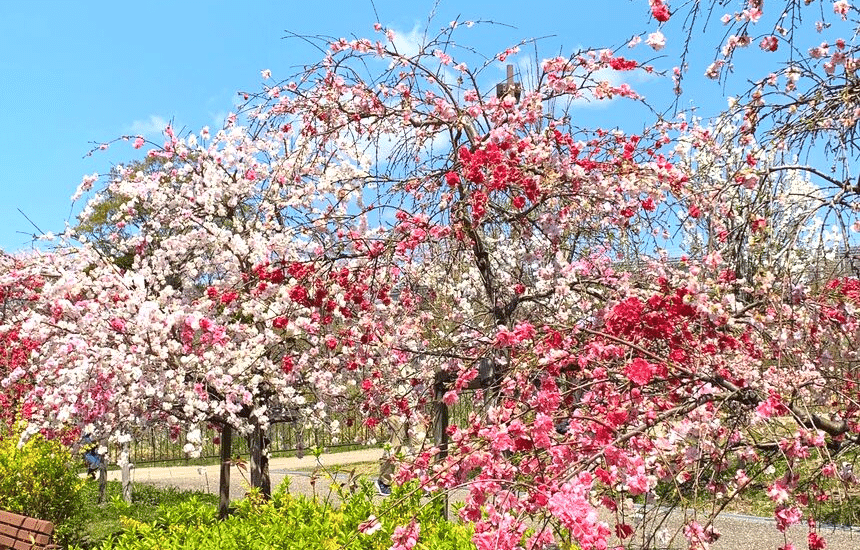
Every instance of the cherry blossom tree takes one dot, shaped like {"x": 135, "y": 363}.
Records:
{"x": 17, "y": 291}
{"x": 368, "y": 233}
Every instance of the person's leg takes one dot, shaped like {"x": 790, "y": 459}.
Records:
{"x": 93, "y": 460}
{"x": 386, "y": 473}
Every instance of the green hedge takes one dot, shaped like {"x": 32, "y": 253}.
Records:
{"x": 294, "y": 523}
{"x": 40, "y": 480}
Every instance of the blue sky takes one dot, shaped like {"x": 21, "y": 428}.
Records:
{"x": 74, "y": 74}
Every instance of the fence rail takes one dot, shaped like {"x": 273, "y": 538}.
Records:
{"x": 156, "y": 444}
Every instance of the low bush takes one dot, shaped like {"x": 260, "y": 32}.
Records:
{"x": 40, "y": 480}
{"x": 296, "y": 523}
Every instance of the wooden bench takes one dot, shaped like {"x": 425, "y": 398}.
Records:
{"x": 19, "y": 532}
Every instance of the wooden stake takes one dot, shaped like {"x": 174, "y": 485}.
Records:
{"x": 224, "y": 479}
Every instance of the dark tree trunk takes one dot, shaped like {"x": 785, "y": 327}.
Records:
{"x": 440, "y": 430}
{"x": 258, "y": 446}
{"x": 102, "y": 482}
{"x": 224, "y": 479}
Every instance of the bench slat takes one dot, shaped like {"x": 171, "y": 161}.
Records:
{"x": 19, "y": 532}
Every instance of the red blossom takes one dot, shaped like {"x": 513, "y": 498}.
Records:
{"x": 769, "y": 43}
{"x": 660, "y": 11}
{"x": 815, "y": 541}
{"x": 639, "y": 371}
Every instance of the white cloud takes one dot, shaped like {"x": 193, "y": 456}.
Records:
{"x": 218, "y": 118}
{"x": 614, "y": 78}
{"x": 154, "y": 125}
{"x": 409, "y": 43}
{"x": 588, "y": 101}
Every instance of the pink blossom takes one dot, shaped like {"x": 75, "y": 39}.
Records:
{"x": 841, "y": 7}
{"x": 405, "y": 538}
{"x": 787, "y": 516}
{"x": 820, "y": 52}
{"x": 699, "y": 536}
{"x": 815, "y": 542}
{"x": 570, "y": 505}
{"x": 753, "y": 14}
{"x": 771, "y": 406}
{"x": 443, "y": 57}
{"x": 769, "y": 43}
{"x": 778, "y": 492}
{"x": 86, "y": 184}
{"x": 713, "y": 71}
{"x": 656, "y": 40}
{"x": 508, "y": 52}
{"x": 758, "y": 224}
{"x": 369, "y": 526}
{"x": 450, "y": 398}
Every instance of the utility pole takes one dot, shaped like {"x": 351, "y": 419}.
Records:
{"x": 509, "y": 87}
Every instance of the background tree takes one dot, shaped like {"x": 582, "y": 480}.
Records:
{"x": 17, "y": 291}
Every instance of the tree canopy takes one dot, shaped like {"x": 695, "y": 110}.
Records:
{"x": 666, "y": 313}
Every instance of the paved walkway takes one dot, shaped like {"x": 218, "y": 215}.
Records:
{"x": 205, "y": 478}
{"x": 739, "y": 532}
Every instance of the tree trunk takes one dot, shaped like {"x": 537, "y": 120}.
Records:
{"x": 258, "y": 447}
{"x": 102, "y": 481}
{"x": 440, "y": 431}
{"x": 224, "y": 479}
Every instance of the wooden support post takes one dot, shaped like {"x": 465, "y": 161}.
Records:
{"x": 265, "y": 478}
{"x": 255, "y": 450}
{"x": 224, "y": 478}
{"x": 440, "y": 432}
{"x": 126, "y": 475}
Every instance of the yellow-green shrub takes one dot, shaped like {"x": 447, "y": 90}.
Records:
{"x": 289, "y": 522}
{"x": 39, "y": 480}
